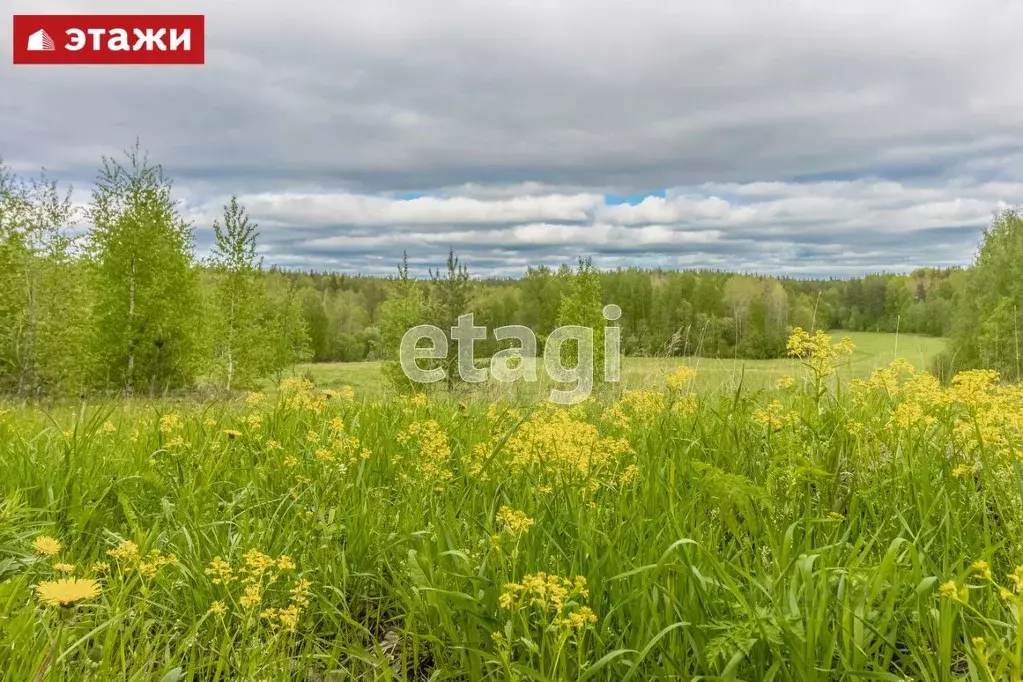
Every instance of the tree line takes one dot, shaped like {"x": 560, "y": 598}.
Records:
{"x": 127, "y": 305}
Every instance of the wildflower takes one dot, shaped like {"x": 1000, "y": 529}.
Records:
{"x": 1016, "y": 577}
{"x": 951, "y": 591}
{"x": 108, "y": 427}
{"x": 312, "y": 437}
{"x": 231, "y": 433}
{"x": 126, "y": 551}
{"x": 578, "y": 619}
{"x": 46, "y": 546}
{"x": 774, "y": 416}
{"x": 169, "y": 422}
{"x": 835, "y": 516}
{"x": 290, "y": 461}
{"x": 288, "y": 617}
{"x": 434, "y": 450}
{"x": 785, "y": 383}
{"x": 285, "y": 563}
{"x": 100, "y": 567}
{"x": 300, "y": 593}
{"x": 254, "y": 398}
{"x": 220, "y": 570}
{"x": 516, "y": 522}
{"x": 981, "y": 569}
{"x": 217, "y": 608}
{"x": 67, "y": 591}
{"x": 680, "y": 377}
{"x": 253, "y": 595}
{"x": 64, "y": 568}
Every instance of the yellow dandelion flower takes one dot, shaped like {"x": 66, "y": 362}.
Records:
{"x": 231, "y": 433}
{"x": 67, "y": 591}
{"x": 46, "y": 546}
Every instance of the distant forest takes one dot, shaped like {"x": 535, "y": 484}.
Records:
{"x": 128, "y": 305}
{"x": 665, "y": 312}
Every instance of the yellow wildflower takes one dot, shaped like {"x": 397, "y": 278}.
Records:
{"x": 67, "y": 591}
{"x": 46, "y": 546}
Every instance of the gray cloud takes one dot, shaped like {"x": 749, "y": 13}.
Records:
{"x": 522, "y": 114}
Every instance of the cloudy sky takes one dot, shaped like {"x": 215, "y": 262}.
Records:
{"x": 791, "y": 137}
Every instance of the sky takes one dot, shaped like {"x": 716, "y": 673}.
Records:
{"x": 800, "y": 138}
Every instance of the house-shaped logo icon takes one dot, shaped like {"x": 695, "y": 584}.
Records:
{"x": 40, "y": 41}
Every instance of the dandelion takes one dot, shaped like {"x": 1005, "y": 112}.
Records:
{"x": 231, "y": 433}
{"x": 46, "y": 546}
{"x": 67, "y": 591}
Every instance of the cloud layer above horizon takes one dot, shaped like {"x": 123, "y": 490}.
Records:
{"x": 800, "y": 138}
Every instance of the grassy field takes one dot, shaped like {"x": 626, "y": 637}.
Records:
{"x": 873, "y": 350}
{"x": 670, "y": 533}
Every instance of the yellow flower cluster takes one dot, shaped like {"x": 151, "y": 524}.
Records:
{"x": 817, "y": 350}
{"x": 774, "y": 416}
{"x": 516, "y": 523}
{"x": 255, "y": 574}
{"x": 678, "y": 379}
{"x": 169, "y": 423}
{"x": 554, "y": 437}
{"x": 67, "y": 591}
{"x": 551, "y": 595}
{"x": 128, "y": 555}
{"x": 298, "y": 393}
{"x": 432, "y": 452}
{"x": 635, "y": 409}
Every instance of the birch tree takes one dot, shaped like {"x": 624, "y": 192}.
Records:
{"x": 142, "y": 251}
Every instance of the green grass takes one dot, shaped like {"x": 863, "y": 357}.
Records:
{"x": 873, "y": 350}
{"x": 797, "y": 534}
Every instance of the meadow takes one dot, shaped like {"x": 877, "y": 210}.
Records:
{"x": 714, "y": 375}
{"x": 841, "y": 515}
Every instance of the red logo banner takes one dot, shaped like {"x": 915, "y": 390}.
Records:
{"x": 109, "y": 39}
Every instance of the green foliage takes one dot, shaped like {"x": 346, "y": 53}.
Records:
{"x": 241, "y": 319}
{"x": 147, "y": 326}
{"x": 762, "y": 535}
{"x": 987, "y": 332}
{"x": 403, "y": 310}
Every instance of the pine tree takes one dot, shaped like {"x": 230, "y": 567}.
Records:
{"x": 146, "y": 287}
